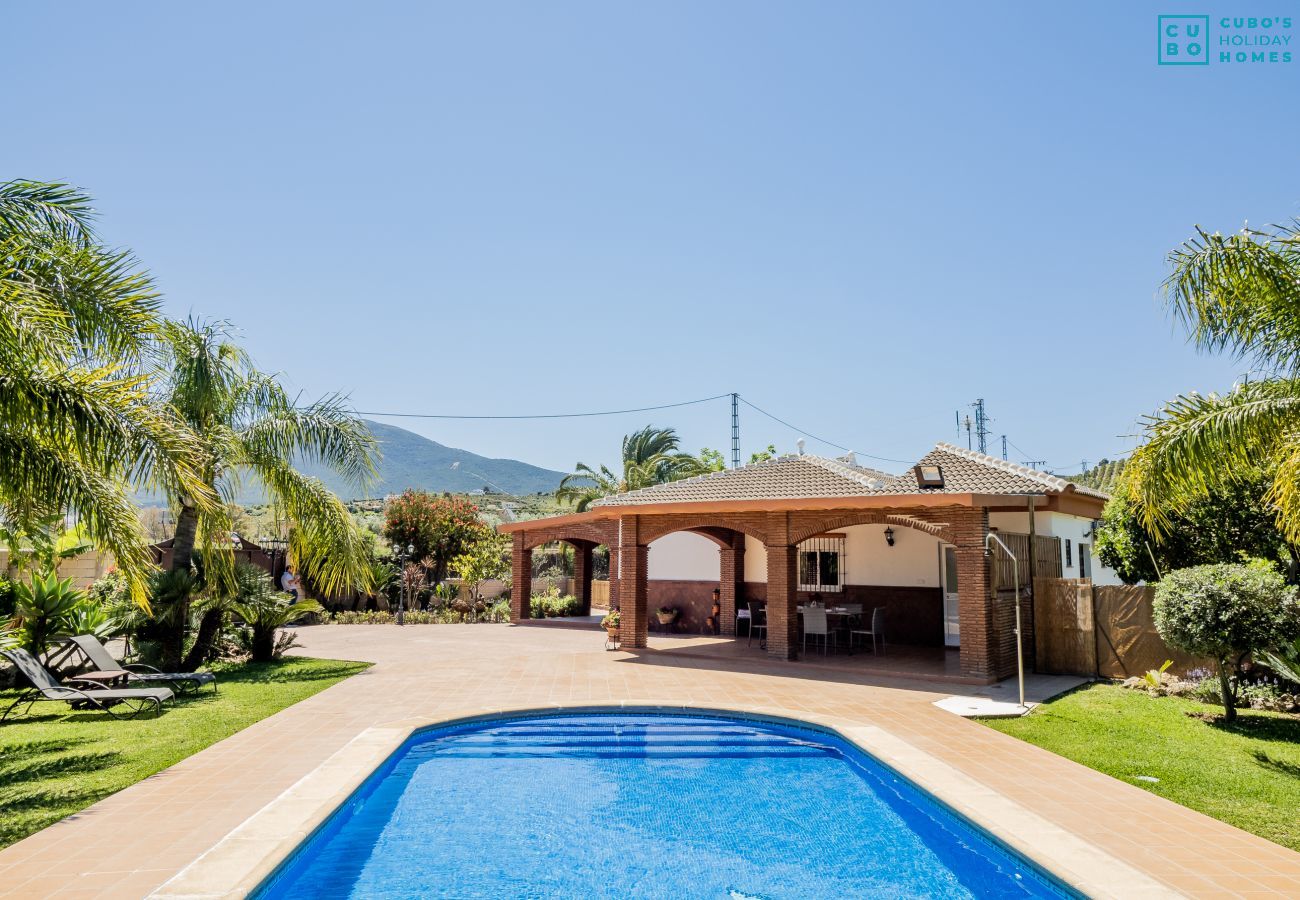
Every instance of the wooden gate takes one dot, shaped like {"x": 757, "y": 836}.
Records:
{"x": 1064, "y": 640}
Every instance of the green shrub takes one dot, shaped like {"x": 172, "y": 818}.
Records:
{"x": 552, "y": 604}
{"x": 437, "y": 615}
{"x": 360, "y": 617}
{"x": 1226, "y": 612}
{"x": 6, "y": 598}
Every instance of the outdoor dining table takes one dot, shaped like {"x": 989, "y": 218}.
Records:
{"x": 836, "y": 612}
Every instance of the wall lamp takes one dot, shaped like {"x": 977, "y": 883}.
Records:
{"x": 889, "y": 536}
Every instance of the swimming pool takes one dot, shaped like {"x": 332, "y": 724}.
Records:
{"x": 645, "y": 805}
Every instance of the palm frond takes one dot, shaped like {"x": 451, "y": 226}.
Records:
{"x": 325, "y": 432}
{"x": 1200, "y": 439}
{"x": 324, "y": 539}
{"x": 1240, "y": 293}
{"x": 37, "y": 207}
{"x": 38, "y": 478}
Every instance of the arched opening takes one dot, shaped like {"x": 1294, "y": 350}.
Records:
{"x": 568, "y": 579}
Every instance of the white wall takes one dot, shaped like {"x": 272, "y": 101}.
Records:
{"x": 913, "y": 561}
{"x": 1066, "y": 527}
{"x": 755, "y": 560}
{"x": 682, "y": 556}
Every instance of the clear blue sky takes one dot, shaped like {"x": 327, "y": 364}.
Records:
{"x": 861, "y": 216}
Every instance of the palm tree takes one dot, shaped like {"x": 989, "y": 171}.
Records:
{"x": 76, "y": 424}
{"x": 650, "y": 456}
{"x": 1238, "y": 293}
{"x": 250, "y": 427}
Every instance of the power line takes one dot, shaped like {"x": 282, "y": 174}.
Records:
{"x": 820, "y": 440}
{"x": 1018, "y": 449}
{"x": 578, "y": 415}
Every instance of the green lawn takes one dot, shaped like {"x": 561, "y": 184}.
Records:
{"x": 55, "y": 761}
{"x": 1247, "y": 775}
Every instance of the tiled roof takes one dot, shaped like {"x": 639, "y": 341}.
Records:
{"x": 967, "y": 471}
{"x": 805, "y": 476}
{"x": 783, "y": 478}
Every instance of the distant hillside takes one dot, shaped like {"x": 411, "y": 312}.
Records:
{"x": 412, "y": 461}
{"x": 1103, "y": 476}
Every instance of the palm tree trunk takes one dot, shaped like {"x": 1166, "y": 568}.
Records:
{"x": 209, "y": 628}
{"x": 187, "y": 529}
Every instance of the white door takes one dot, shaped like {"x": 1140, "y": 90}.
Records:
{"x": 948, "y": 579}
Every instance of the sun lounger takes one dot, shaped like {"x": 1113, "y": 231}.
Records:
{"x": 139, "y": 673}
{"x": 87, "y": 695}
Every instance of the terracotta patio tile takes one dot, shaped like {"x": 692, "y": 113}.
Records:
{"x": 471, "y": 667}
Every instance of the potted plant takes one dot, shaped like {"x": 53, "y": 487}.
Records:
{"x": 610, "y": 624}
{"x": 666, "y": 615}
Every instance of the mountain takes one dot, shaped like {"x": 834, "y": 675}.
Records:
{"x": 412, "y": 461}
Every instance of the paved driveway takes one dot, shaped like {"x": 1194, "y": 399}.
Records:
{"x": 131, "y": 843}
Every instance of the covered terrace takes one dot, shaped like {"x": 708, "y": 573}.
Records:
{"x": 770, "y": 509}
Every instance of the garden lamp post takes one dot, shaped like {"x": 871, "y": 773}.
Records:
{"x": 1015, "y": 576}
{"x": 403, "y": 554}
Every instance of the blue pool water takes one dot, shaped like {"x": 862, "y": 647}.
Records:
{"x": 645, "y": 805}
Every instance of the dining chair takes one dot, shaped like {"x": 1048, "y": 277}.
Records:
{"x": 757, "y": 622}
{"x": 815, "y": 623}
{"x": 852, "y": 618}
{"x": 877, "y": 630}
{"x": 742, "y": 615}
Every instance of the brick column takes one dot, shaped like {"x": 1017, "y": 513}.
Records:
{"x": 782, "y": 589}
{"x": 582, "y": 576}
{"x": 731, "y": 583}
{"x": 633, "y": 566}
{"x": 521, "y": 579}
{"x": 613, "y": 577}
{"x": 974, "y": 604}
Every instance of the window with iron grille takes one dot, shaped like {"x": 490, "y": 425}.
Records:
{"x": 821, "y": 564}
{"x": 1069, "y": 561}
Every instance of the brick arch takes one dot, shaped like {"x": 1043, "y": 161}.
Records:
{"x": 726, "y": 538}
{"x": 806, "y": 527}
{"x": 654, "y": 527}
{"x": 595, "y": 532}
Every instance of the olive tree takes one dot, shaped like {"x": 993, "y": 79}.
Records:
{"x": 486, "y": 559}
{"x": 1227, "y": 612}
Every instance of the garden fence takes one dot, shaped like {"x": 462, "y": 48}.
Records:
{"x": 1105, "y": 631}
{"x": 84, "y": 569}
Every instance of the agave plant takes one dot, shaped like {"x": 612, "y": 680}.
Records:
{"x": 44, "y": 609}
{"x": 1285, "y": 661}
{"x": 88, "y": 617}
